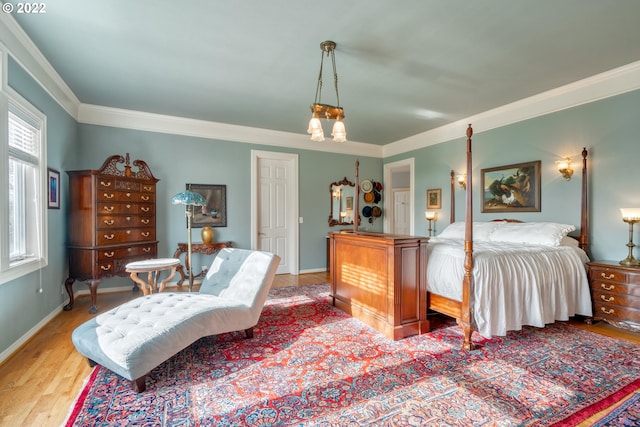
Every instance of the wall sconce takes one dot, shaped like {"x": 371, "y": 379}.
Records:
{"x": 462, "y": 180}
{"x": 336, "y": 194}
{"x": 430, "y": 216}
{"x": 630, "y": 216}
{"x": 564, "y": 167}
{"x": 329, "y": 112}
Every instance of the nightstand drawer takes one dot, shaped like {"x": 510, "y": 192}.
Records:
{"x": 614, "y": 274}
{"x": 614, "y": 312}
{"x": 609, "y": 298}
{"x": 616, "y": 288}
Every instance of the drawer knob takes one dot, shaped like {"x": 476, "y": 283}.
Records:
{"x": 109, "y": 221}
{"x": 109, "y": 254}
{"x": 147, "y": 250}
{"x": 145, "y": 198}
{"x": 105, "y": 184}
{"x": 108, "y": 208}
{"x": 109, "y": 236}
{"x": 607, "y": 288}
{"x": 145, "y": 234}
{"x": 144, "y": 209}
{"x": 607, "y": 277}
{"x": 106, "y": 267}
{"x": 145, "y": 221}
{"x": 605, "y": 299}
{"x": 605, "y": 311}
{"x": 108, "y": 195}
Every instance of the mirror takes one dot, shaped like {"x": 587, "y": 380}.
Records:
{"x": 342, "y": 194}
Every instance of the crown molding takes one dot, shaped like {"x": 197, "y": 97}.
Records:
{"x": 604, "y": 85}
{"x": 26, "y": 53}
{"x": 151, "y": 122}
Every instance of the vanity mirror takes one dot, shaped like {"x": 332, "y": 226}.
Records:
{"x": 342, "y": 195}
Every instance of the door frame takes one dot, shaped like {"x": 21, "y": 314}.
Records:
{"x": 389, "y": 169}
{"x": 293, "y": 225}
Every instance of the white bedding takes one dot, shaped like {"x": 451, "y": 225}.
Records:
{"x": 514, "y": 284}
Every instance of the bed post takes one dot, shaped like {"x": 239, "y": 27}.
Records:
{"x": 466, "y": 317}
{"x": 452, "y": 216}
{"x": 584, "y": 209}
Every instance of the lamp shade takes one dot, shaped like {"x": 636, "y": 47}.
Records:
{"x": 632, "y": 214}
{"x": 188, "y": 198}
{"x": 429, "y": 215}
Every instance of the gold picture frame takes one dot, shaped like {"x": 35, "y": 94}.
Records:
{"x": 434, "y": 198}
{"x": 511, "y": 188}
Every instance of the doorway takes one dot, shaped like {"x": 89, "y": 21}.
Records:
{"x": 274, "y": 207}
{"x": 400, "y": 176}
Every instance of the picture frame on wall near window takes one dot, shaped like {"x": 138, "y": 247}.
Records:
{"x": 53, "y": 185}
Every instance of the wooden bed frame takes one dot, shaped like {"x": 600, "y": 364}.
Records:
{"x": 462, "y": 311}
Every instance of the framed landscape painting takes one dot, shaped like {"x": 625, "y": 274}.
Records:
{"x": 512, "y": 188}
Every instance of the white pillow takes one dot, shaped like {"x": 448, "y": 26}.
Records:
{"x": 481, "y": 230}
{"x": 569, "y": 241}
{"x": 534, "y": 233}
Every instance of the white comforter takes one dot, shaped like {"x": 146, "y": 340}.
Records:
{"x": 514, "y": 284}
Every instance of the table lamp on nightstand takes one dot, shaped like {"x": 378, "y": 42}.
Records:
{"x": 631, "y": 216}
{"x": 189, "y": 199}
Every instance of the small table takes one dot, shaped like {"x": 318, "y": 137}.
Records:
{"x": 152, "y": 267}
{"x": 202, "y": 248}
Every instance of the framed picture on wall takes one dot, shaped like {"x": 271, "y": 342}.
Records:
{"x": 512, "y": 188}
{"x": 53, "y": 184}
{"x": 214, "y": 213}
{"x": 434, "y": 198}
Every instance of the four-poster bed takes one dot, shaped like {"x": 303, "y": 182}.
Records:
{"x": 560, "y": 294}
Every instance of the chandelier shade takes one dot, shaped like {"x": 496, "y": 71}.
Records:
{"x": 325, "y": 111}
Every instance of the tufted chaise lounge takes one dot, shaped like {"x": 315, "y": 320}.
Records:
{"x": 137, "y": 336}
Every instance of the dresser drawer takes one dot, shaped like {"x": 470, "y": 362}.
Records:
{"x": 614, "y": 312}
{"x": 109, "y": 237}
{"x": 107, "y": 254}
{"x": 609, "y": 298}
{"x": 614, "y": 274}
{"x": 107, "y": 222}
{"x": 614, "y": 287}
{"x": 125, "y": 208}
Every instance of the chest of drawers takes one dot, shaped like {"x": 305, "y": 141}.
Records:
{"x": 112, "y": 221}
{"x": 615, "y": 290}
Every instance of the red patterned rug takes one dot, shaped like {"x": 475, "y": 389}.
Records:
{"x": 311, "y": 364}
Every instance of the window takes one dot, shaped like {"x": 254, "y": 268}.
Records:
{"x": 23, "y": 221}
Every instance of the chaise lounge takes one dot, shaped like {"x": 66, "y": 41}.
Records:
{"x": 139, "y": 335}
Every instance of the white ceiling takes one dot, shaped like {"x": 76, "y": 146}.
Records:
{"x": 404, "y": 67}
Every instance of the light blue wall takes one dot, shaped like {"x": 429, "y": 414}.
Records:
{"x": 177, "y": 160}
{"x": 21, "y": 306}
{"x": 607, "y": 128}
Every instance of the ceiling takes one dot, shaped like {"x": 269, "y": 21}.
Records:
{"x": 404, "y": 67}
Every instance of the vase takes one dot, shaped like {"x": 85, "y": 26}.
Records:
{"x": 207, "y": 234}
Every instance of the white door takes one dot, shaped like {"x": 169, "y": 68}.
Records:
{"x": 274, "y": 211}
{"x": 401, "y": 213}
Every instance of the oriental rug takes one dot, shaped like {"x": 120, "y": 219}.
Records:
{"x": 310, "y": 364}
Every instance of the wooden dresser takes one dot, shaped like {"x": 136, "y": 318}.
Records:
{"x": 380, "y": 279}
{"x": 615, "y": 290}
{"x": 112, "y": 221}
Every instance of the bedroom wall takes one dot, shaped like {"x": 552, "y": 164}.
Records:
{"x": 22, "y": 308}
{"x": 177, "y": 160}
{"x": 607, "y": 128}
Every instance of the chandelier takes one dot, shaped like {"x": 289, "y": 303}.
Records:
{"x": 326, "y": 111}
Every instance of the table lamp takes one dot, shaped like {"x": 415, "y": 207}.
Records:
{"x": 430, "y": 216}
{"x": 189, "y": 199}
{"x": 630, "y": 216}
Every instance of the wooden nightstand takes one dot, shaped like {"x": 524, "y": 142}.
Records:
{"x": 615, "y": 290}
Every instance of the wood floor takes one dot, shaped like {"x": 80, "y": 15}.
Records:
{"x": 40, "y": 381}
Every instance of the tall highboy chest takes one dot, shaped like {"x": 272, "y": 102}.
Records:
{"x": 112, "y": 221}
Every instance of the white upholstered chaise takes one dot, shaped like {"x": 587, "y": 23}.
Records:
{"x": 137, "y": 336}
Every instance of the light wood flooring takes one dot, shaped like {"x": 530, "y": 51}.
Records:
{"x": 39, "y": 383}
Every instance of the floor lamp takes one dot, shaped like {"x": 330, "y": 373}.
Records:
{"x": 189, "y": 199}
